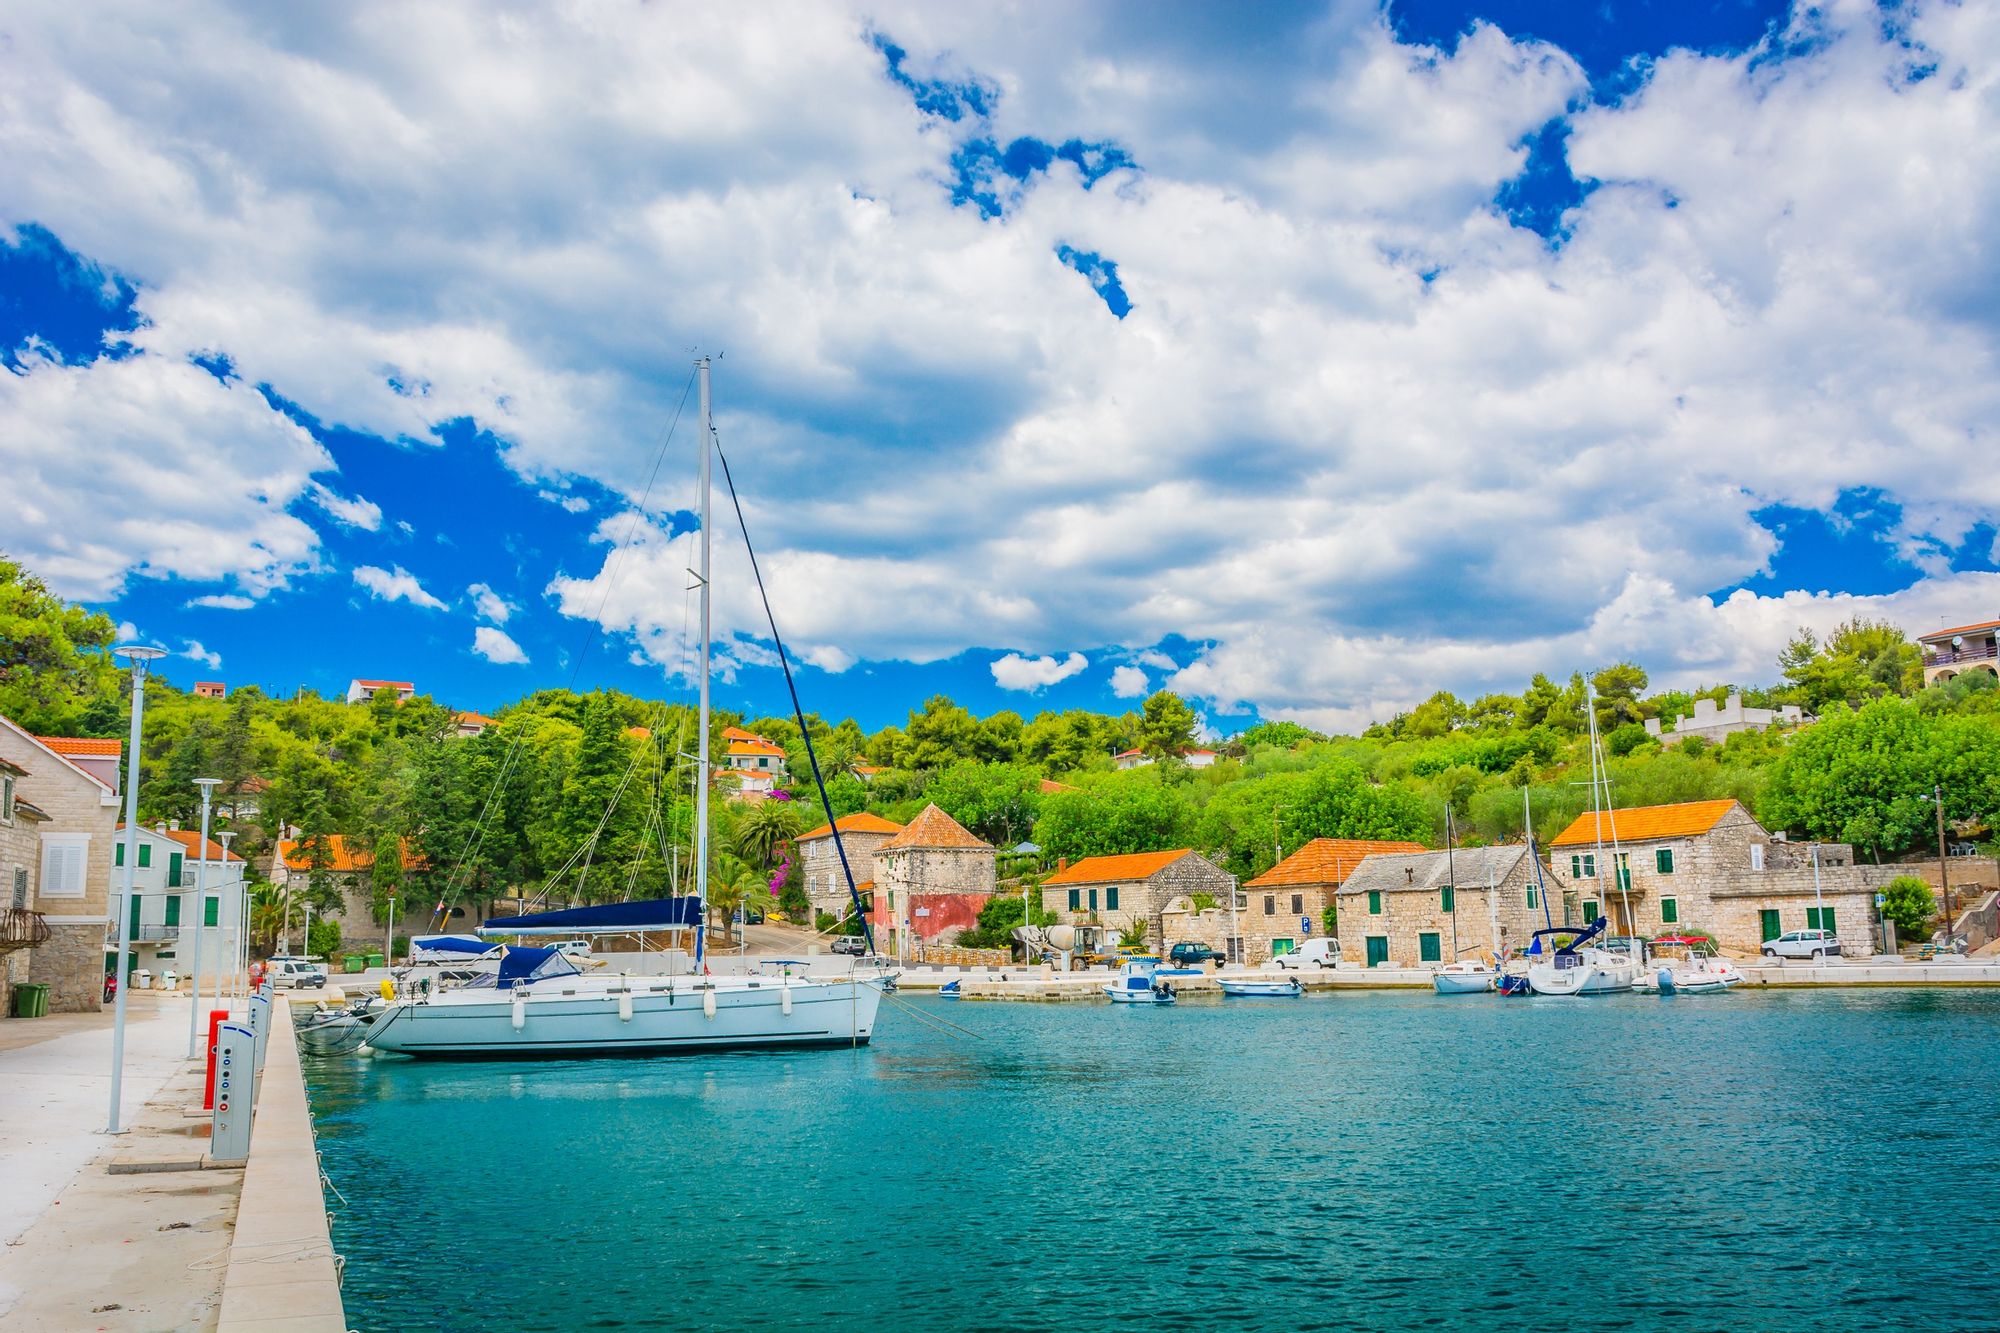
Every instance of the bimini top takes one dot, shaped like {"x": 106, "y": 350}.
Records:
{"x": 603, "y": 919}
{"x": 520, "y": 965}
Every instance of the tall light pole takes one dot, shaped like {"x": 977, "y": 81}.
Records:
{"x": 1944, "y": 867}
{"x": 138, "y": 656}
{"x": 208, "y": 786}
{"x": 242, "y": 913}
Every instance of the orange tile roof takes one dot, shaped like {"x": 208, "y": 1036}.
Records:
{"x": 738, "y": 734}
{"x": 1957, "y": 629}
{"x": 190, "y": 838}
{"x": 1326, "y": 861}
{"x": 1117, "y": 869}
{"x": 934, "y": 828}
{"x": 755, "y": 745}
{"x": 346, "y": 857}
{"x": 1644, "y": 823}
{"x": 1127, "y": 754}
{"x": 639, "y": 733}
{"x": 858, "y": 823}
{"x": 1050, "y": 787}
{"x": 479, "y": 719}
{"x": 83, "y": 747}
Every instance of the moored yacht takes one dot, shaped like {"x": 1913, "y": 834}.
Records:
{"x": 1577, "y": 969}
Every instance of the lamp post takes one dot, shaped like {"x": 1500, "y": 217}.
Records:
{"x": 1944, "y": 868}
{"x": 138, "y": 656}
{"x": 242, "y": 914}
{"x": 208, "y": 786}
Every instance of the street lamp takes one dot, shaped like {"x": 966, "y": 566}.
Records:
{"x": 1936, "y": 798}
{"x": 242, "y": 914}
{"x": 138, "y": 656}
{"x": 201, "y": 917}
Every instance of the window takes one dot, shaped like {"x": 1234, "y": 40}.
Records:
{"x": 1663, "y": 860}
{"x": 173, "y": 910}
{"x": 6, "y": 800}
{"x": 1820, "y": 918}
{"x": 1583, "y": 866}
{"x": 1093, "y": 900}
{"x": 1445, "y": 901}
{"x": 1234, "y": 947}
{"x": 1075, "y": 900}
{"x": 1111, "y": 899}
{"x": 118, "y": 853}
{"x": 1589, "y": 910}
{"x": 1429, "y": 948}
{"x": 1281, "y": 947}
{"x": 64, "y": 864}
{"x": 1298, "y": 904}
{"x": 1756, "y": 856}
{"x": 1576, "y": 867}
{"x": 1270, "y": 904}
{"x": 174, "y": 870}
{"x": 212, "y": 914}
{"x": 1622, "y": 872}
{"x": 1374, "y": 902}
{"x": 1532, "y": 904}
{"x": 20, "y": 886}
{"x": 1670, "y": 911}
{"x": 145, "y": 855}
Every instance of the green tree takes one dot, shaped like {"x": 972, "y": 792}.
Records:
{"x": 999, "y": 802}
{"x": 1618, "y": 689}
{"x": 1910, "y": 904}
{"x": 1130, "y": 813}
{"x": 56, "y": 672}
{"x": 1167, "y": 727}
{"x": 1277, "y": 736}
{"x": 939, "y": 733}
{"x": 1861, "y": 660}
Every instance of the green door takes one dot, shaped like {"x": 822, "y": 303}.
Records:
{"x": 1378, "y": 949}
{"x": 136, "y": 900}
{"x": 173, "y": 909}
{"x": 1768, "y": 920}
{"x": 1429, "y": 949}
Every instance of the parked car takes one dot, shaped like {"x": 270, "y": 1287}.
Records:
{"x": 1187, "y": 954}
{"x": 575, "y": 948}
{"x": 850, "y": 944}
{"x": 1321, "y": 952}
{"x": 1803, "y": 944}
{"x": 298, "y": 973}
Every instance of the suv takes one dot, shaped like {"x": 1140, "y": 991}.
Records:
{"x": 1186, "y": 954}
{"x": 298, "y": 973}
{"x": 1803, "y": 944}
{"x": 851, "y": 944}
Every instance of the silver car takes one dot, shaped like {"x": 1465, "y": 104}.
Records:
{"x": 1803, "y": 944}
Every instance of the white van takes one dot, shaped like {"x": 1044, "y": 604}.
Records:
{"x": 1321, "y": 952}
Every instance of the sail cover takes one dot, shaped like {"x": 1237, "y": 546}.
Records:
{"x": 605, "y": 918}
{"x": 522, "y": 964}
{"x": 451, "y": 946}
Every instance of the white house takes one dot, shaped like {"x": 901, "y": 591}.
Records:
{"x": 361, "y": 691}
{"x": 162, "y": 911}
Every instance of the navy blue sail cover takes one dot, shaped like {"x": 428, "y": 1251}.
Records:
{"x": 451, "y": 944}
{"x": 522, "y": 963}
{"x": 605, "y": 918}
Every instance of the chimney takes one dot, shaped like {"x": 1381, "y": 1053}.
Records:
{"x": 174, "y": 824}
{"x": 1062, "y": 864}
{"x": 160, "y": 826}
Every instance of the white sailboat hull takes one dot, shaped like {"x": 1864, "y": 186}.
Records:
{"x": 667, "y": 1015}
{"x": 1596, "y": 974}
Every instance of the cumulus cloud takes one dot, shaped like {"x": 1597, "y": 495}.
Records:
{"x": 224, "y": 601}
{"x": 496, "y": 645}
{"x": 1358, "y": 434}
{"x": 192, "y": 648}
{"x": 348, "y": 511}
{"x": 1015, "y": 672}
{"x": 1128, "y": 682}
{"x": 488, "y": 604}
{"x": 395, "y": 585}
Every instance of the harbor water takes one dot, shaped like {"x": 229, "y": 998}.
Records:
{"x": 1388, "y": 1161}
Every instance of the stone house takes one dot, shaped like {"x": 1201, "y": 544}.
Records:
{"x": 1118, "y": 891}
{"x": 21, "y": 927}
{"x": 819, "y": 861}
{"x": 1962, "y": 648}
{"x": 162, "y": 910}
{"x": 1716, "y": 724}
{"x": 350, "y": 867}
{"x": 71, "y": 861}
{"x": 930, "y": 880}
{"x": 1411, "y": 909}
{"x": 1286, "y": 905}
{"x": 1710, "y": 865}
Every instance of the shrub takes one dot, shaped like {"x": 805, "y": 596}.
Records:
{"x": 1909, "y": 902}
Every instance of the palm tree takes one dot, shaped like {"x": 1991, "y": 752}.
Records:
{"x": 764, "y": 828}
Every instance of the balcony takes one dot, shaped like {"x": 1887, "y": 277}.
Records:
{"x": 1971, "y": 652}
{"x": 21, "y": 929}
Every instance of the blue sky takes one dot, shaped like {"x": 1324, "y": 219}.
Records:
{"x": 1305, "y": 363}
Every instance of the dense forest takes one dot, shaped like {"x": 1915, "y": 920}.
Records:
{"x": 586, "y": 797}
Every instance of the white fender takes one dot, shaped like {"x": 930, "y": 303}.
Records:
{"x": 625, "y": 1005}
{"x": 520, "y": 1011}
{"x": 708, "y": 1003}
{"x": 785, "y": 1000}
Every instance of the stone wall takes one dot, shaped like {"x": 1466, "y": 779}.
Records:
{"x": 71, "y": 965}
{"x": 1144, "y": 899}
{"x": 1487, "y": 921}
{"x": 936, "y": 869}
{"x": 819, "y": 864}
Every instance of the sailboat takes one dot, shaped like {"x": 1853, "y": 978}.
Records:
{"x": 537, "y": 1003}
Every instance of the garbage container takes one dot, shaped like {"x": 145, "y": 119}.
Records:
{"x": 143, "y": 978}
{"x": 31, "y": 1000}
{"x": 354, "y": 962}
{"x": 168, "y": 980}
{"x": 374, "y": 960}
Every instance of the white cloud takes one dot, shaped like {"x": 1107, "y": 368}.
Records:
{"x": 397, "y": 585}
{"x": 489, "y": 605}
{"x": 1128, "y": 682}
{"x": 224, "y": 601}
{"x": 1015, "y": 672}
{"x": 495, "y": 645}
{"x": 192, "y": 648}
{"x": 1358, "y": 433}
{"x": 348, "y": 511}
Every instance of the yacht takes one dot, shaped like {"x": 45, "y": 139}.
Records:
{"x": 1575, "y": 968}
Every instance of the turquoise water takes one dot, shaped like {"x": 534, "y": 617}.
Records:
{"x": 1798, "y": 1161}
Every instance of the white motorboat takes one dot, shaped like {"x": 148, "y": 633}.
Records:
{"x": 1464, "y": 979}
{"x": 1576, "y": 969}
{"x": 1139, "y": 983}
{"x": 1257, "y": 987}
{"x": 1685, "y": 965}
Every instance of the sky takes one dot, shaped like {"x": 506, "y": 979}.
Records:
{"x": 1304, "y": 358}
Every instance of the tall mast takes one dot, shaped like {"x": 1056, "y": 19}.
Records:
{"x": 701, "y": 759}
{"x": 1600, "y": 785}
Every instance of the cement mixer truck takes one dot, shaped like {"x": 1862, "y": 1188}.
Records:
{"x": 1068, "y": 947}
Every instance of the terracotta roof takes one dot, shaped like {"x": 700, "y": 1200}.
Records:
{"x": 191, "y": 839}
{"x": 347, "y": 857}
{"x": 478, "y": 719}
{"x": 864, "y": 769}
{"x": 934, "y": 828}
{"x": 858, "y": 823}
{"x": 1127, "y": 754}
{"x": 383, "y": 684}
{"x": 208, "y": 684}
{"x": 1325, "y": 861}
{"x": 1957, "y": 629}
{"x": 755, "y": 745}
{"x": 29, "y": 809}
{"x": 639, "y": 733}
{"x": 1117, "y": 869}
{"x": 1187, "y": 752}
{"x": 1645, "y": 823}
{"x": 75, "y": 747}
{"x": 738, "y": 734}
{"x": 1051, "y": 787}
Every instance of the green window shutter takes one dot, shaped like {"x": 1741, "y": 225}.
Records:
{"x": 145, "y": 855}
{"x": 1374, "y": 902}
{"x": 118, "y": 853}
{"x": 1075, "y": 899}
{"x": 136, "y": 901}
{"x": 173, "y": 909}
{"x": 174, "y": 870}
{"x": 1532, "y": 904}
{"x": 1429, "y": 949}
{"x": 212, "y": 914}
{"x": 1623, "y": 871}
{"x": 1445, "y": 899}
{"x": 1576, "y": 867}
{"x": 1589, "y": 910}
{"x": 1111, "y": 898}
{"x": 1093, "y": 900}
{"x": 1670, "y": 911}
{"x": 1663, "y": 860}
{"x": 1590, "y": 865}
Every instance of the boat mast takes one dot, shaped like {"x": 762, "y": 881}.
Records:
{"x": 1600, "y": 785}
{"x": 701, "y": 745}
{"x": 1451, "y": 873}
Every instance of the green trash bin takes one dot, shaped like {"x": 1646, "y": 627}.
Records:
{"x": 31, "y": 1000}
{"x": 354, "y": 962}
{"x": 374, "y": 960}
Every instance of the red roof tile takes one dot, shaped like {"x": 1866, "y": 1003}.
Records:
{"x": 1325, "y": 861}
{"x": 1117, "y": 869}
{"x": 934, "y": 828}
{"x": 1645, "y": 823}
{"x": 857, "y": 823}
{"x": 85, "y": 747}
{"x": 1958, "y": 629}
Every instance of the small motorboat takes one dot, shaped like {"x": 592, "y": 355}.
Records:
{"x": 1139, "y": 983}
{"x": 1685, "y": 965}
{"x": 1464, "y": 979}
{"x": 331, "y": 1032}
{"x": 1258, "y": 988}
{"x": 950, "y": 991}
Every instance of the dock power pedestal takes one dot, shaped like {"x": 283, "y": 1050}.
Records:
{"x": 235, "y": 1093}
{"x": 260, "y": 1025}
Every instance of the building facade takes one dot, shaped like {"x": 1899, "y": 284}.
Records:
{"x": 361, "y": 691}
{"x": 1119, "y": 891}
{"x": 1949, "y": 652}
{"x": 819, "y": 860}
{"x": 1716, "y": 723}
{"x": 930, "y": 880}
{"x": 1413, "y": 909}
{"x": 162, "y": 913}
{"x": 1287, "y": 904}
{"x": 72, "y": 861}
